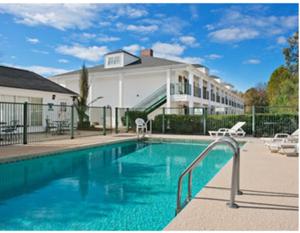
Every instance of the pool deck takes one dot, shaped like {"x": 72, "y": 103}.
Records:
{"x": 269, "y": 182}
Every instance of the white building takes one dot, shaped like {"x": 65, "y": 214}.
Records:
{"x": 126, "y": 80}
{"x": 18, "y": 86}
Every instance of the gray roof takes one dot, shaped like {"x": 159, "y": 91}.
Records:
{"x": 18, "y": 78}
{"x": 143, "y": 62}
{"x": 121, "y": 51}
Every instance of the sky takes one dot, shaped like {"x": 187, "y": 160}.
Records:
{"x": 241, "y": 43}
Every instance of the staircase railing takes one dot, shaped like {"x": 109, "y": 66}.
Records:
{"x": 235, "y": 187}
{"x": 151, "y": 99}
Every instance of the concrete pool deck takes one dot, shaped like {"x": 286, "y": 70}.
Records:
{"x": 269, "y": 182}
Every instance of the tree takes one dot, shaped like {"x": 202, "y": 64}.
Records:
{"x": 256, "y": 96}
{"x": 282, "y": 88}
{"x": 81, "y": 105}
{"x": 291, "y": 54}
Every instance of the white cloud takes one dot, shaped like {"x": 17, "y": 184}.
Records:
{"x": 214, "y": 56}
{"x": 64, "y": 61}
{"x": 241, "y": 23}
{"x": 189, "y": 40}
{"x": 167, "y": 25}
{"x": 252, "y": 61}
{"x": 138, "y": 28}
{"x": 131, "y": 12}
{"x": 174, "y": 52}
{"x": 134, "y": 48}
{"x": 60, "y": 16}
{"x": 32, "y": 40}
{"x": 281, "y": 40}
{"x": 108, "y": 38}
{"x": 88, "y": 35}
{"x": 42, "y": 70}
{"x": 92, "y": 53}
{"x": 233, "y": 34}
{"x": 171, "y": 49}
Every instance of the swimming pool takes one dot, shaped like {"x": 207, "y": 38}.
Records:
{"x": 123, "y": 186}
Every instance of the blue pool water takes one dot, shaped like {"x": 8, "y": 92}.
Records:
{"x": 125, "y": 186}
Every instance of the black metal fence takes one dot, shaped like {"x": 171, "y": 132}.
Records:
{"x": 27, "y": 122}
{"x": 260, "y": 121}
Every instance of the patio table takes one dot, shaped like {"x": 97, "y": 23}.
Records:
{"x": 60, "y": 126}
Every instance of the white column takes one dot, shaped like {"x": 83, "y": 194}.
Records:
{"x": 168, "y": 87}
{"x": 209, "y": 96}
{"x": 191, "y": 97}
{"x": 120, "y": 90}
{"x": 201, "y": 88}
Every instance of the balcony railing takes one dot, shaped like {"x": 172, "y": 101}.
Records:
{"x": 197, "y": 91}
{"x": 180, "y": 89}
{"x": 205, "y": 94}
{"x": 213, "y": 96}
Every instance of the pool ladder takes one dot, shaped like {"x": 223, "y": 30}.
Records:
{"x": 235, "y": 179}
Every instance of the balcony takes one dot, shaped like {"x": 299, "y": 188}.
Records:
{"x": 197, "y": 91}
{"x": 212, "y": 96}
{"x": 180, "y": 89}
{"x": 205, "y": 93}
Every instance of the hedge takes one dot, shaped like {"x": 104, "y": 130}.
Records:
{"x": 132, "y": 115}
{"x": 265, "y": 124}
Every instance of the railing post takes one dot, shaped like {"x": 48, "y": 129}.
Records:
{"x": 253, "y": 121}
{"x": 127, "y": 120}
{"x": 104, "y": 120}
{"x": 116, "y": 120}
{"x": 238, "y": 191}
{"x": 190, "y": 186}
{"x": 72, "y": 122}
{"x": 163, "y": 121}
{"x": 204, "y": 120}
{"x": 233, "y": 191}
{"x": 25, "y": 111}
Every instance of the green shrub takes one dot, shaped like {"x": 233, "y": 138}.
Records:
{"x": 266, "y": 124}
{"x": 132, "y": 115}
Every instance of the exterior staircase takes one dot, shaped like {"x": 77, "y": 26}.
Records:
{"x": 153, "y": 101}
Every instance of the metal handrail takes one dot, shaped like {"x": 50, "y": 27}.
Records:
{"x": 233, "y": 144}
{"x": 157, "y": 94}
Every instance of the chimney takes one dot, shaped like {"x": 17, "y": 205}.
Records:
{"x": 147, "y": 53}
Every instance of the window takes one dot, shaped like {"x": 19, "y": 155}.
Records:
{"x": 36, "y": 111}
{"x": 63, "y": 106}
{"x": 113, "y": 61}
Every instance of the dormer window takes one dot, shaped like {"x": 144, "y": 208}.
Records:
{"x": 119, "y": 58}
{"x": 112, "y": 61}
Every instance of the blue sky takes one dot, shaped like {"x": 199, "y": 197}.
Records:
{"x": 241, "y": 43}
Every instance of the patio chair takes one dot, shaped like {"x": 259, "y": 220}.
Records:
{"x": 66, "y": 126}
{"x": 283, "y": 147}
{"x": 11, "y": 129}
{"x": 281, "y": 137}
{"x": 141, "y": 125}
{"x": 235, "y": 130}
{"x": 50, "y": 127}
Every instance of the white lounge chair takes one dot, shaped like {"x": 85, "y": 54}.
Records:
{"x": 235, "y": 130}
{"x": 141, "y": 126}
{"x": 281, "y": 137}
{"x": 283, "y": 147}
